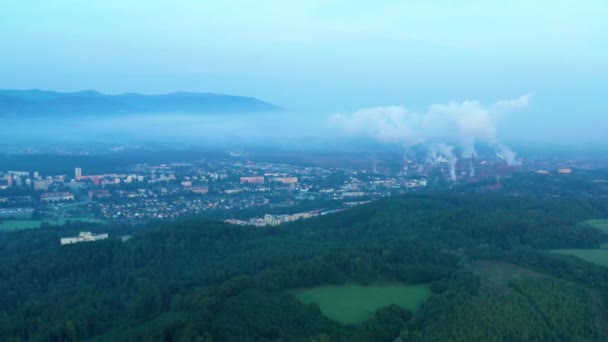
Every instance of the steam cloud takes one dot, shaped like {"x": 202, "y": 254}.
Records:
{"x": 442, "y": 127}
{"x": 442, "y": 153}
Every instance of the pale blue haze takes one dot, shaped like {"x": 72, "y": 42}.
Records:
{"x": 324, "y": 56}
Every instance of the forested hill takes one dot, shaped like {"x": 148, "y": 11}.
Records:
{"x": 55, "y": 104}
{"x": 484, "y": 256}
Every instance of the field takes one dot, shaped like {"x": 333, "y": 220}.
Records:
{"x": 501, "y": 273}
{"x": 601, "y": 224}
{"x": 597, "y": 256}
{"x": 32, "y": 224}
{"x": 351, "y": 303}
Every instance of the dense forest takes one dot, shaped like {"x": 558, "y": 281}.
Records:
{"x": 485, "y": 257}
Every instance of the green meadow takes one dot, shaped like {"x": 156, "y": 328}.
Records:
{"x": 597, "y": 256}
{"x": 33, "y": 224}
{"x": 601, "y": 224}
{"x": 352, "y": 303}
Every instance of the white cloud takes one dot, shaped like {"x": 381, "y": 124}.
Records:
{"x": 456, "y": 123}
{"x": 520, "y": 102}
{"x": 386, "y": 124}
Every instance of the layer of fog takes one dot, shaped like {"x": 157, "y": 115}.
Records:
{"x": 166, "y": 129}
{"x": 446, "y": 128}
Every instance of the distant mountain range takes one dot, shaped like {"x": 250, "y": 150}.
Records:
{"x": 46, "y": 103}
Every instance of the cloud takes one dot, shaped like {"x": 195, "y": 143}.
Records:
{"x": 520, "y": 102}
{"x": 461, "y": 124}
{"x": 385, "y": 124}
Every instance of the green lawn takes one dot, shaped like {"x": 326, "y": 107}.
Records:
{"x": 352, "y": 304}
{"x": 601, "y": 224}
{"x": 597, "y": 256}
{"x": 32, "y": 224}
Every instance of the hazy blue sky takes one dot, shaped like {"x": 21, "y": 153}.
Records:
{"x": 331, "y": 55}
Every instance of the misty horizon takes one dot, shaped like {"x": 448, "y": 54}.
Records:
{"x": 319, "y": 170}
{"x": 317, "y": 60}
{"x": 458, "y": 124}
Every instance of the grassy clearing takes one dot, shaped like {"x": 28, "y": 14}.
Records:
{"x": 502, "y": 272}
{"x": 352, "y": 303}
{"x": 496, "y": 276}
{"x": 601, "y": 224}
{"x": 33, "y": 224}
{"x": 597, "y": 256}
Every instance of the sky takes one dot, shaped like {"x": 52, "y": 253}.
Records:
{"x": 325, "y": 56}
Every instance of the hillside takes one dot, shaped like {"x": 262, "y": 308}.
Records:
{"x": 484, "y": 258}
{"x": 48, "y": 103}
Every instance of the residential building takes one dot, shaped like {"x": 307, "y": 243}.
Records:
{"x": 83, "y": 237}
{"x": 56, "y": 196}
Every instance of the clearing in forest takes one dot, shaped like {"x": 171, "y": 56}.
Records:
{"x": 601, "y": 224}
{"x": 598, "y": 256}
{"x": 501, "y": 273}
{"x": 352, "y": 303}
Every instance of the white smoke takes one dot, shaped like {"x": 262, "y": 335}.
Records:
{"x": 460, "y": 124}
{"x": 471, "y": 169}
{"x": 385, "y": 124}
{"x": 505, "y": 153}
{"x": 442, "y": 153}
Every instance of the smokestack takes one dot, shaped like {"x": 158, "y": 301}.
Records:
{"x": 453, "y": 170}
{"x": 472, "y": 169}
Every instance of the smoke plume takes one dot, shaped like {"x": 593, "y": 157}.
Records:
{"x": 442, "y": 127}
{"x": 444, "y": 154}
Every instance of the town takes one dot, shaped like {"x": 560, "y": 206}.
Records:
{"x": 186, "y": 189}
{"x": 238, "y": 191}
